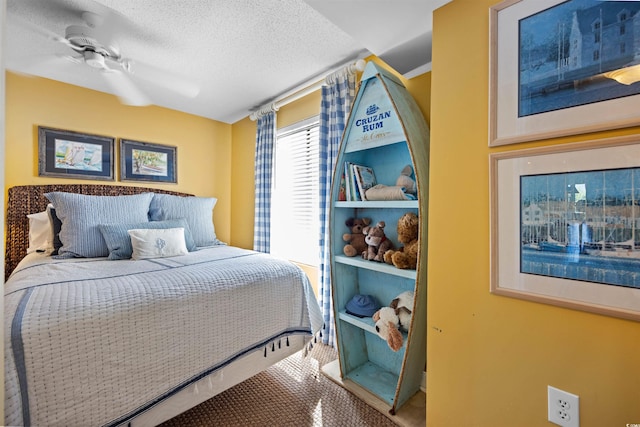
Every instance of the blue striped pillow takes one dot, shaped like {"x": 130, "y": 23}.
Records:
{"x": 119, "y": 242}
{"x": 197, "y": 211}
{"x": 81, "y": 215}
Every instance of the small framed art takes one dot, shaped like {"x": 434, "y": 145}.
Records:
{"x": 562, "y": 67}
{"x": 68, "y": 154}
{"x": 145, "y": 161}
{"x": 565, "y": 225}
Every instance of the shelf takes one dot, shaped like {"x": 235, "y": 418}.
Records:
{"x": 385, "y": 131}
{"x": 375, "y": 266}
{"x": 376, "y": 379}
{"x": 404, "y": 204}
{"x": 365, "y": 323}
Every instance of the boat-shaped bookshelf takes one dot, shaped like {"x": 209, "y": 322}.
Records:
{"x": 386, "y": 131}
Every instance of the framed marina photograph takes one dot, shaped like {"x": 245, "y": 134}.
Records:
{"x": 561, "y": 67}
{"x": 68, "y": 154}
{"x": 145, "y": 161}
{"x": 565, "y": 225}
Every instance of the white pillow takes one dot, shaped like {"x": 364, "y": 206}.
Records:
{"x": 157, "y": 243}
{"x": 40, "y": 232}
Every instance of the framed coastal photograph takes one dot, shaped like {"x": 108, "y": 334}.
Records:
{"x": 69, "y": 154}
{"x": 145, "y": 161}
{"x": 565, "y": 225}
{"x": 562, "y": 67}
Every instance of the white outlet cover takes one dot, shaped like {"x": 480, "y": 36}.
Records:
{"x": 563, "y": 407}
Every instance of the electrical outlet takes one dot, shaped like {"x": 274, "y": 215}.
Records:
{"x": 563, "y": 407}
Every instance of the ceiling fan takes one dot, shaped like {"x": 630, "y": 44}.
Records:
{"x": 93, "y": 44}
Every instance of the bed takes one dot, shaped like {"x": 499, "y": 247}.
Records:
{"x": 98, "y": 340}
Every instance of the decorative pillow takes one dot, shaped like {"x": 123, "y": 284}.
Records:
{"x": 119, "y": 242}
{"x": 81, "y": 214}
{"x": 157, "y": 243}
{"x": 197, "y": 211}
{"x": 56, "y": 224}
{"x": 40, "y": 232}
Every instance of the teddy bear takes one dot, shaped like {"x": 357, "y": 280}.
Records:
{"x": 407, "y": 256}
{"x": 355, "y": 240}
{"x": 405, "y": 180}
{"x": 391, "y": 320}
{"x": 377, "y": 242}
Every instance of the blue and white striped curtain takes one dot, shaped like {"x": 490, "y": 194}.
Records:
{"x": 337, "y": 97}
{"x": 265, "y": 139}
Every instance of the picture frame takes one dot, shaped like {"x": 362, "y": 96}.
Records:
{"x": 565, "y": 225}
{"x": 146, "y": 161}
{"x": 550, "y": 78}
{"x": 69, "y": 154}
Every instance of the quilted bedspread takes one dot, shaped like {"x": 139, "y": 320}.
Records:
{"x": 93, "y": 342}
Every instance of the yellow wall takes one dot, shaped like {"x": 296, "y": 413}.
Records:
{"x": 203, "y": 145}
{"x": 490, "y": 358}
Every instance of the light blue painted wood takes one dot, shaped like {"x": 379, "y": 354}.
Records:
{"x": 385, "y": 131}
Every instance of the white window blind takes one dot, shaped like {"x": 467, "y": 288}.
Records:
{"x": 294, "y": 204}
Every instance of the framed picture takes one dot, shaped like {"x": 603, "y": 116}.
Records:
{"x": 561, "y": 67}
{"x": 67, "y": 154}
{"x": 565, "y": 225}
{"x": 144, "y": 161}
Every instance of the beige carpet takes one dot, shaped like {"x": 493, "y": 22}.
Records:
{"x": 291, "y": 393}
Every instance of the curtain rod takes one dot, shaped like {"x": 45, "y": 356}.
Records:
{"x": 307, "y": 88}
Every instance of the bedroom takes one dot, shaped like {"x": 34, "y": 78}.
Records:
{"x": 513, "y": 348}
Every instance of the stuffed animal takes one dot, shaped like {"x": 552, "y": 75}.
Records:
{"x": 377, "y": 242}
{"x": 405, "y": 180}
{"x": 391, "y": 320}
{"x": 355, "y": 240}
{"x": 407, "y": 256}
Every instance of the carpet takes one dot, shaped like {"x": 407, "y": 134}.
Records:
{"x": 292, "y": 393}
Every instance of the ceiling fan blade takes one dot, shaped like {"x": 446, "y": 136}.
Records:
{"x": 124, "y": 88}
{"x": 164, "y": 79}
{"x": 32, "y": 65}
{"x": 48, "y": 34}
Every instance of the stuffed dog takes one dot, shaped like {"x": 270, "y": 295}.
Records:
{"x": 394, "y": 318}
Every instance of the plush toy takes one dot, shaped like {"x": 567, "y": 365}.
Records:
{"x": 377, "y": 242}
{"x": 355, "y": 240}
{"x": 405, "y": 180}
{"x": 407, "y": 256}
{"x": 391, "y": 320}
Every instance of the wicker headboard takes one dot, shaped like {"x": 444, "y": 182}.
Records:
{"x": 28, "y": 199}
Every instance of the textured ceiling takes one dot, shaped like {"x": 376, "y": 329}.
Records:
{"x": 240, "y": 53}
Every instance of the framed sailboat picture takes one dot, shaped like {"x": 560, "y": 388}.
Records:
{"x": 565, "y": 225}
{"x": 68, "y": 154}
{"x": 562, "y": 67}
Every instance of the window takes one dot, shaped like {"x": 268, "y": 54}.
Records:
{"x": 294, "y": 204}
{"x": 596, "y": 32}
{"x": 596, "y": 55}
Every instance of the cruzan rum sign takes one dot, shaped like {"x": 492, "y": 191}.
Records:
{"x": 375, "y": 121}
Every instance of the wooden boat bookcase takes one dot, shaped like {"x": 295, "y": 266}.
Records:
{"x": 385, "y": 131}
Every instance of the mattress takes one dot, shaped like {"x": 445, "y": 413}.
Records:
{"x": 91, "y": 341}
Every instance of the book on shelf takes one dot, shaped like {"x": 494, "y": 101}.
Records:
{"x": 365, "y": 178}
{"x": 357, "y": 180}
{"x": 354, "y": 184}
{"x": 342, "y": 195}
